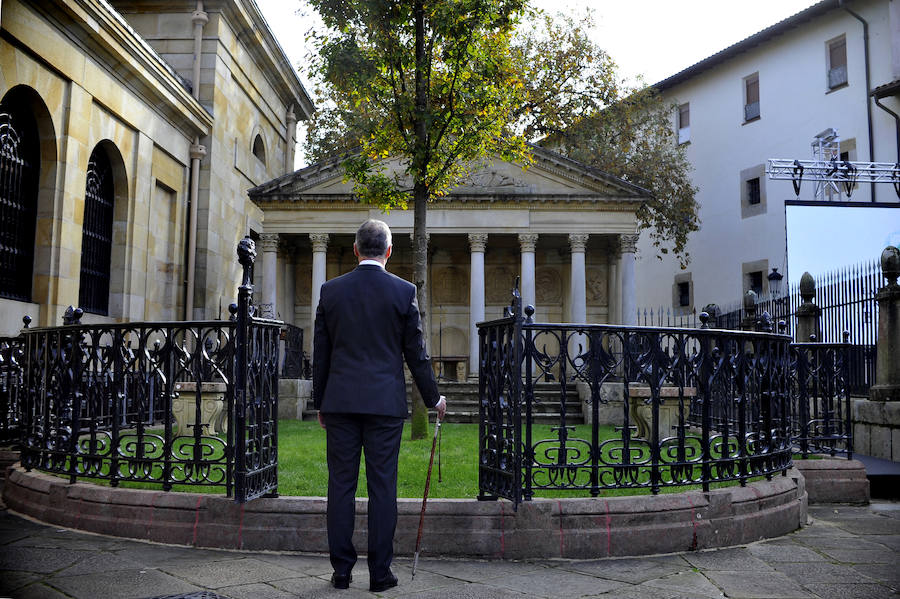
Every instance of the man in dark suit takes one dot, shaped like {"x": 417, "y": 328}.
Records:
{"x": 367, "y": 324}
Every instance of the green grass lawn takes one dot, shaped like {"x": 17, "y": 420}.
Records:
{"x": 302, "y": 468}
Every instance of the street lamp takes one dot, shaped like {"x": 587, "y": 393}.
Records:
{"x": 775, "y": 283}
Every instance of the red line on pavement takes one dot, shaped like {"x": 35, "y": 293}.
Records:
{"x": 197, "y": 519}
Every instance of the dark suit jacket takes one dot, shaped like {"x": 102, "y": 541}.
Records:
{"x": 367, "y": 323}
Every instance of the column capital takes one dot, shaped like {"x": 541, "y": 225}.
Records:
{"x": 528, "y": 241}
{"x": 319, "y": 241}
{"x": 628, "y": 243}
{"x": 478, "y": 241}
{"x": 578, "y": 241}
{"x": 268, "y": 242}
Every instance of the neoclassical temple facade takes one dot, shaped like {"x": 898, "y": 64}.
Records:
{"x": 129, "y": 132}
{"x": 568, "y": 230}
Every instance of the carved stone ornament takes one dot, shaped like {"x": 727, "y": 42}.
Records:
{"x": 492, "y": 179}
{"x": 319, "y": 242}
{"x": 628, "y": 243}
{"x": 578, "y": 241}
{"x": 498, "y": 280}
{"x": 268, "y": 242}
{"x": 478, "y": 241}
{"x": 596, "y": 286}
{"x": 547, "y": 286}
{"x": 528, "y": 241}
{"x": 450, "y": 286}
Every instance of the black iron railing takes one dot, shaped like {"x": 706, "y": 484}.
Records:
{"x": 295, "y": 365}
{"x": 186, "y": 403}
{"x": 658, "y": 374}
{"x": 821, "y": 418}
{"x": 11, "y": 355}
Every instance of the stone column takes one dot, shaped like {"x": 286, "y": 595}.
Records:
{"x": 629, "y": 298}
{"x": 528, "y": 241}
{"x": 289, "y": 293}
{"x": 268, "y": 243}
{"x": 887, "y": 367}
{"x": 319, "y": 247}
{"x": 577, "y": 294}
{"x": 807, "y": 312}
{"x": 477, "y": 244}
{"x": 612, "y": 284}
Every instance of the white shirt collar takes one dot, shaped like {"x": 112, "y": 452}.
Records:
{"x": 371, "y": 263}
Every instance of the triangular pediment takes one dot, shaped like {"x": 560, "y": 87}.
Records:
{"x": 551, "y": 177}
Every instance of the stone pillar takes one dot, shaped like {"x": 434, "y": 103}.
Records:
{"x": 748, "y": 322}
{"x": 629, "y": 299}
{"x": 477, "y": 244}
{"x": 577, "y": 294}
{"x": 319, "y": 247}
{"x": 290, "y": 140}
{"x": 887, "y": 367}
{"x": 807, "y": 312}
{"x": 527, "y": 242}
{"x": 289, "y": 293}
{"x": 268, "y": 242}
{"x": 612, "y": 284}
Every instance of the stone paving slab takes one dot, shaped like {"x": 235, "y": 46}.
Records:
{"x": 45, "y": 562}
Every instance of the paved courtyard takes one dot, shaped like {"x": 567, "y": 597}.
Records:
{"x": 845, "y": 552}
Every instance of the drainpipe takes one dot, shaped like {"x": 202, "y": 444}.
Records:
{"x": 896, "y": 120}
{"x": 868, "y": 86}
{"x": 199, "y": 18}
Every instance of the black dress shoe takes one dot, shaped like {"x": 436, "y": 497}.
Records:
{"x": 341, "y": 581}
{"x": 389, "y": 582}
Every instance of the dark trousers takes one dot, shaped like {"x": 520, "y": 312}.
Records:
{"x": 379, "y": 436}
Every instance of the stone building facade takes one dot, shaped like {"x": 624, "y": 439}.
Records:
{"x": 569, "y": 232}
{"x": 130, "y": 132}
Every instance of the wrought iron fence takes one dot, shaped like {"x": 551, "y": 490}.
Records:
{"x": 821, "y": 418}
{"x": 296, "y": 363}
{"x": 187, "y": 403}
{"x": 11, "y": 354}
{"x": 658, "y": 373}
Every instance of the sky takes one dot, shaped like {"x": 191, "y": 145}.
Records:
{"x": 654, "y": 39}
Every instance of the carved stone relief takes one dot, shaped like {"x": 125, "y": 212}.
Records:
{"x": 499, "y": 281}
{"x": 450, "y": 286}
{"x": 596, "y": 286}
{"x": 547, "y": 285}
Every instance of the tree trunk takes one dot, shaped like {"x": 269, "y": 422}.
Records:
{"x": 419, "y": 426}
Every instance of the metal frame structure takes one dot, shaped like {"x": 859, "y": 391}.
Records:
{"x": 832, "y": 176}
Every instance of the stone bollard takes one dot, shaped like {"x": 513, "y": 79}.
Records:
{"x": 749, "y": 321}
{"x": 887, "y": 367}
{"x": 807, "y": 313}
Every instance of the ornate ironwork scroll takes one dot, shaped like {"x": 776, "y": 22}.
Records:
{"x": 821, "y": 412}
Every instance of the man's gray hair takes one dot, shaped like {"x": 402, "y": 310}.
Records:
{"x": 373, "y": 239}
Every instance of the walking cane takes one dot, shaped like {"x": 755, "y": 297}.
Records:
{"x": 437, "y": 427}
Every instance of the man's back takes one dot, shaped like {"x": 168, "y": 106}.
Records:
{"x": 366, "y": 322}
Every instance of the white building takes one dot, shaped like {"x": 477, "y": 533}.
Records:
{"x": 766, "y": 97}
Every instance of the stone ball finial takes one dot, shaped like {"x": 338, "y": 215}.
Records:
{"x": 750, "y": 299}
{"x": 890, "y": 264}
{"x": 807, "y": 287}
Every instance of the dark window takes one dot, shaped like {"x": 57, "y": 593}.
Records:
{"x": 756, "y": 279}
{"x": 837, "y": 63}
{"x": 751, "y": 98}
{"x": 96, "y": 240}
{"x": 19, "y": 168}
{"x": 753, "y": 191}
{"x": 259, "y": 150}
{"x": 684, "y": 294}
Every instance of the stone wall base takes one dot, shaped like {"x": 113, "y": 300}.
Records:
{"x": 547, "y": 528}
{"x": 834, "y": 480}
{"x": 876, "y": 428}
{"x": 293, "y": 395}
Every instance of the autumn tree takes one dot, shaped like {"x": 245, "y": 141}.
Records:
{"x": 433, "y": 84}
{"x": 574, "y": 103}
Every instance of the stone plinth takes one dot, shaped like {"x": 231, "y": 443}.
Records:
{"x": 642, "y": 412}
{"x": 293, "y": 397}
{"x": 834, "y": 480}
{"x": 212, "y": 408}
{"x": 876, "y": 428}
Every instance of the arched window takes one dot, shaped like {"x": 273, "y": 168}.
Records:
{"x": 259, "y": 150}
{"x": 19, "y": 170}
{"x": 96, "y": 240}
